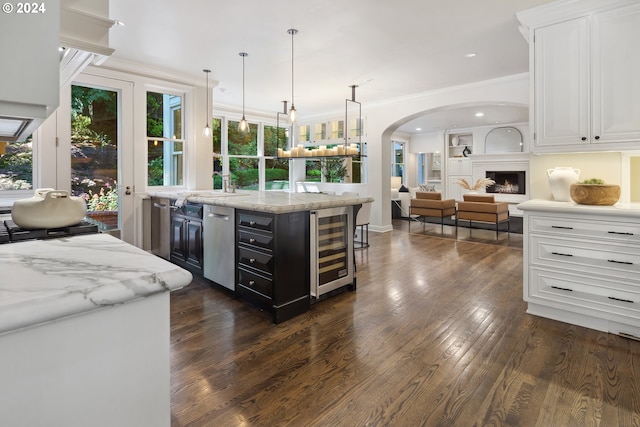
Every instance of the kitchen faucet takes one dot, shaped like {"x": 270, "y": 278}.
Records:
{"x": 225, "y": 182}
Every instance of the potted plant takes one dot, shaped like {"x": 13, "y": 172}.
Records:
{"x": 594, "y": 191}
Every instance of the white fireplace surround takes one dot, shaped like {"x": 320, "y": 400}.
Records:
{"x": 481, "y": 163}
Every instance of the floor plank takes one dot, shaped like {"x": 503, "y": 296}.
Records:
{"x": 435, "y": 335}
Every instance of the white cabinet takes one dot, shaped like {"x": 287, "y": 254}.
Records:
{"x": 586, "y": 89}
{"x": 582, "y": 264}
{"x": 459, "y": 168}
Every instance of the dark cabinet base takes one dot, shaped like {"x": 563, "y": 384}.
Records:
{"x": 279, "y": 313}
{"x": 273, "y": 262}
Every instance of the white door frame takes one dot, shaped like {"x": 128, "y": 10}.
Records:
{"x": 126, "y": 227}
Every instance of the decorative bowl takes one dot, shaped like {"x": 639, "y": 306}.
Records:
{"x": 595, "y": 194}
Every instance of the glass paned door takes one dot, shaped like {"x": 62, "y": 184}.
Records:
{"x": 102, "y": 152}
{"x": 94, "y": 152}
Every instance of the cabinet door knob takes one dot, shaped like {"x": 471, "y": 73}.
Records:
{"x": 252, "y": 260}
{"x": 597, "y": 136}
{"x": 252, "y": 240}
{"x": 252, "y": 223}
{"x": 584, "y": 138}
{"x": 252, "y": 282}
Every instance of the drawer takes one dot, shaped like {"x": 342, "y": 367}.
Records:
{"x": 257, "y": 222}
{"x": 592, "y": 258}
{"x": 584, "y": 294}
{"x": 255, "y": 282}
{"x": 264, "y": 241}
{"x": 605, "y": 231}
{"x": 255, "y": 259}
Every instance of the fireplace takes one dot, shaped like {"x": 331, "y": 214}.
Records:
{"x": 507, "y": 182}
{"x": 516, "y": 168}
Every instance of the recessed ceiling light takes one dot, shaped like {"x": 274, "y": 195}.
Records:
{"x": 479, "y": 114}
{"x": 470, "y": 55}
{"x": 418, "y": 128}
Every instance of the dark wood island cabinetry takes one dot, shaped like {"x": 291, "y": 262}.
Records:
{"x": 273, "y": 261}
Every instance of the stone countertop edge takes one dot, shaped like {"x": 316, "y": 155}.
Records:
{"x": 624, "y": 210}
{"x": 47, "y": 280}
{"x": 268, "y": 201}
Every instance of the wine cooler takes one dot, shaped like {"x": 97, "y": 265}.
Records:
{"x": 331, "y": 249}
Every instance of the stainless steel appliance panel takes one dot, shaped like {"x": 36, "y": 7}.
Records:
{"x": 160, "y": 227}
{"x": 219, "y": 245}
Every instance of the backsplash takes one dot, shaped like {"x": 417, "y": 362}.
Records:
{"x": 606, "y": 166}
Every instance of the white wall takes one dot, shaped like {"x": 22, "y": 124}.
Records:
{"x": 427, "y": 142}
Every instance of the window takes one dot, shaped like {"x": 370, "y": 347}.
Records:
{"x": 216, "y": 130}
{"x": 243, "y": 156}
{"x": 276, "y": 173}
{"x": 165, "y": 140}
{"x": 397, "y": 159}
{"x": 16, "y": 165}
{"x": 422, "y": 168}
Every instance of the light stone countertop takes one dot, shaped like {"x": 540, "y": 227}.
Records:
{"x": 45, "y": 280}
{"x": 266, "y": 201}
{"x": 626, "y": 210}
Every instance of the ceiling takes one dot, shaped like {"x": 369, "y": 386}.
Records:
{"x": 389, "y": 49}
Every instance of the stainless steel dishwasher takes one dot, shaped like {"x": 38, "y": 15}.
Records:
{"x": 160, "y": 226}
{"x": 219, "y": 245}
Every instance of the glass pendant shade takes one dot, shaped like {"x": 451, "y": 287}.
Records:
{"x": 243, "y": 126}
{"x": 293, "y": 114}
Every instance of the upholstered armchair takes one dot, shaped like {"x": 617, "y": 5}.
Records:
{"x": 430, "y": 204}
{"x": 483, "y": 208}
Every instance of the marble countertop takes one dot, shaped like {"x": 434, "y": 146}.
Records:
{"x": 266, "y": 201}
{"x": 45, "y": 280}
{"x": 627, "y": 210}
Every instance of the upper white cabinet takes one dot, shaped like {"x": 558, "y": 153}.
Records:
{"x": 585, "y": 84}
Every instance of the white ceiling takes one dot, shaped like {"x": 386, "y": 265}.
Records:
{"x": 390, "y": 49}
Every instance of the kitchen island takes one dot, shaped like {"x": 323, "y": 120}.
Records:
{"x": 288, "y": 249}
{"x": 84, "y": 333}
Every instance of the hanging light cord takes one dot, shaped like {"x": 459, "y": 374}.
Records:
{"x": 243, "y": 56}
{"x": 293, "y": 32}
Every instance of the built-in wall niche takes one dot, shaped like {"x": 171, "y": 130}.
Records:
{"x": 460, "y": 144}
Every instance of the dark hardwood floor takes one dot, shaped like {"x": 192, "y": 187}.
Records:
{"x": 435, "y": 335}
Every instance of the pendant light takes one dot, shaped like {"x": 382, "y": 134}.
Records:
{"x": 206, "y": 132}
{"x": 293, "y": 114}
{"x": 243, "y": 126}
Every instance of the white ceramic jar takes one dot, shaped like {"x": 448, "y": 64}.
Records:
{"x": 560, "y": 180}
{"x": 48, "y": 208}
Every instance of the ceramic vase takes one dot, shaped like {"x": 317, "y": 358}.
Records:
{"x": 560, "y": 180}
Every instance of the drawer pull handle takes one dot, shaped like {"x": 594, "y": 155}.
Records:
{"x": 252, "y": 240}
{"x": 562, "y": 227}
{"x": 252, "y": 260}
{"x": 561, "y": 254}
{"x": 252, "y": 282}
{"x": 252, "y": 223}
{"x": 621, "y": 233}
{"x": 561, "y": 289}
{"x": 620, "y": 262}
{"x": 620, "y": 299}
